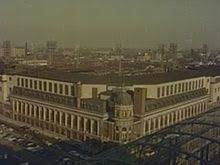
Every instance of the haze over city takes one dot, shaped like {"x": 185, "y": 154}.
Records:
{"x": 97, "y": 23}
{"x": 109, "y": 82}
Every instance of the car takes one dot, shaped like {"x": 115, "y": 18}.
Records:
{"x": 11, "y": 129}
{"x": 48, "y": 143}
{"x": 149, "y": 152}
{"x": 74, "y": 153}
{"x": 84, "y": 157}
{"x": 31, "y": 144}
{"x": 57, "y": 146}
{"x": 12, "y": 139}
{"x": 34, "y": 148}
{"x": 20, "y": 140}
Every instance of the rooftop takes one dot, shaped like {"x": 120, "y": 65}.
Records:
{"x": 112, "y": 79}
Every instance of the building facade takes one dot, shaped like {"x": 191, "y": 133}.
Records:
{"x": 85, "y": 109}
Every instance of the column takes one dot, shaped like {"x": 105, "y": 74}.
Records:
{"x": 50, "y": 114}
{"x": 149, "y": 126}
{"x": 159, "y": 122}
{"x": 66, "y": 121}
{"x": 84, "y": 125}
{"x": 35, "y": 111}
{"x": 91, "y": 126}
{"x": 61, "y": 115}
{"x": 78, "y": 122}
{"x": 172, "y": 118}
{"x": 144, "y": 127}
{"x": 98, "y": 127}
{"x": 164, "y": 118}
{"x": 25, "y": 109}
{"x": 72, "y": 121}
{"x": 55, "y": 117}
{"x": 17, "y": 106}
{"x": 45, "y": 113}
{"x": 177, "y": 113}
{"x": 168, "y": 120}
{"x": 22, "y": 108}
{"x": 184, "y": 113}
{"x": 13, "y": 105}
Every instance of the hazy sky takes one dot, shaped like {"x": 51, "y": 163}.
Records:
{"x": 134, "y": 23}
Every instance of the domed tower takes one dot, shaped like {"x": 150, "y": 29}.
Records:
{"x": 123, "y": 116}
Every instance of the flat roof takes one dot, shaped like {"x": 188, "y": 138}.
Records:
{"x": 112, "y": 79}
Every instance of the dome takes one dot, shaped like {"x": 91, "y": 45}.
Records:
{"x": 121, "y": 97}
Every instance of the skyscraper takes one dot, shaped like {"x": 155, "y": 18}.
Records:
{"x": 173, "y": 50}
{"x": 51, "y": 48}
{"x": 6, "y": 47}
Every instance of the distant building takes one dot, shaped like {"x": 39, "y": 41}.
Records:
{"x": 18, "y": 52}
{"x": 51, "y": 50}
{"x": 34, "y": 62}
{"x": 144, "y": 57}
{"x": 6, "y": 48}
{"x": 173, "y": 51}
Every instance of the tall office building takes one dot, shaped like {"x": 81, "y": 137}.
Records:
{"x": 163, "y": 56}
{"x": 205, "y": 50}
{"x": 51, "y": 48}
{"x": 173, "y": 50}
{"x": 6, "y": 48}
{"x": 26, "y": 48}
{"x": 118, "y": 52}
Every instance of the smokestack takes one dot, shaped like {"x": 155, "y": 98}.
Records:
{"x": 26, "y": 49}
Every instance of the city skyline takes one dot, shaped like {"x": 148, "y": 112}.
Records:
{"x": 103, "y": 24}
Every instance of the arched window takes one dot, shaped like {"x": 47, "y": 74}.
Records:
{"x": 124, "y": 129}
{"x": 218, "y": 99}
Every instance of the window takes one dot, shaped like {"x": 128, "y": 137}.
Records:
{"x": 179, "y": 88}
{"x": 196, "y": 84}
{"x": 190, "y": 85}
{"x": 168, "y": 90}
{"x": 55, "y": 87}
{"x": 66, "y": 90}
{"x": 193, "y": 85}
{"x": 35, "y": 84}
{"x": 202, "y": 82}
{"x": 175, "y": 89}
{"x": 45, "y": 86}
{"x": 40, "y": 85}
{"x": 163, "y": 91}
{"x": 22, "y": 82}
{"x": 183, "y": 86}
{"x": 186, "y": 86}
{"x": 72, "y": 91}
{"x": 18, "y": 81}
{"x": 171, "y": 90}
{"x": 61, "y": 88}
{"x": 158, "y": 92}
{"x": 199, "y": 83}
{"x": 26, "y": 83}
{"x": 50, "y": 87}
{"x": 31, "y": 84}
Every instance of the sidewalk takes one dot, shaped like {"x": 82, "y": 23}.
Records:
{"x": 21, "y": 124}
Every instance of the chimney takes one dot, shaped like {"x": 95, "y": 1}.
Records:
{"x": 139, "y": 101}
{"x": 94, "y": 93}
{"x": 78, "y": 93}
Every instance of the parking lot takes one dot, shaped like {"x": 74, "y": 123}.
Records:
{"x": 31, "y": 146}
